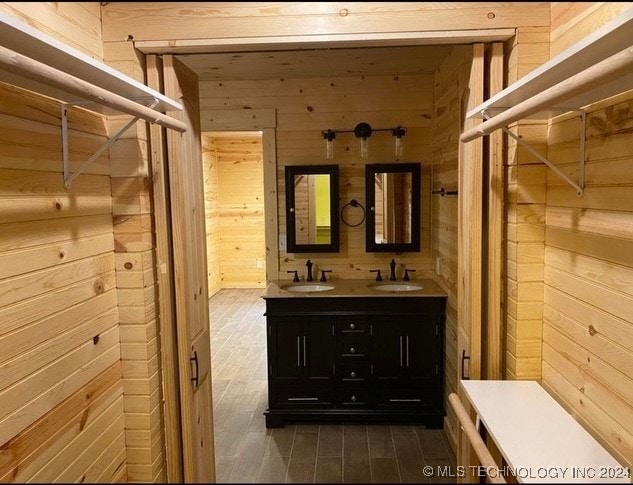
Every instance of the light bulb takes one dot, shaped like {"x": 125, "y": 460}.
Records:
{"x": 363, "y": 147}
{"x": 329, "y": 136}
{"x": 398, "y": 132}
{"x": 329, "y": 149}
{"x": 398, "y": 146}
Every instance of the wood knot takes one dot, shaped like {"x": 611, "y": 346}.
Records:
{"x": 58, "y": 206}
{"x": 310, "y": 109}
{"x": 95, "y": 339}
{"x": 128, "y": 265}
{"x": 344, "y": 12}
{"x": 491, "y": 15}
{"x": 98, "y": 286}
{"x": 592, "y": 330}
{"x": 61, "y": 255}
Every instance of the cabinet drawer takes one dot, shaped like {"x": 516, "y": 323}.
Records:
{"x": 408, "y": 398}
{"x": 353, "y": 348}
{"x": 359, "y": 372}
{"x": 353, "y": 397}
{"x": 291, "y": 397}
{"x": 352, "y": 326}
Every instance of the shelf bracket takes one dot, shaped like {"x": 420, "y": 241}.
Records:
{"x": 580, "y": 186}
{"x": 68, "y": 176}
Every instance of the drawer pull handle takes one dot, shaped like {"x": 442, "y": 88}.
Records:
{"x": 352, "y": 374}
{"x": 298, "y": 351}
{"x": 352, "y": 326}
{"x": 405, "y": 400}
{"x": 303, "y": 399}
{"x": 353, "y": 398}
{"x": 352, "y": 350}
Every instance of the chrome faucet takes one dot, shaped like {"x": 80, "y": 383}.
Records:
{"x": 309, "y": 275}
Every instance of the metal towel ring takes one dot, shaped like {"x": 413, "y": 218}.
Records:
{"x": 353, "y": 203}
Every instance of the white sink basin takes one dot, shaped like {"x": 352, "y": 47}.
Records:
{"x": 397, "y": 287}
{"x": 308, "y": 288}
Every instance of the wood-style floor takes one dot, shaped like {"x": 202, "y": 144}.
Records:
{"x": 248, "y": 452}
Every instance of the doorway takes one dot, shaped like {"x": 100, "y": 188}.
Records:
{"x": 234, "y": 209}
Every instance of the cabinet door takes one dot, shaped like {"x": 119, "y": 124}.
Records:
{"x": 317, "y": 347}
{"x": 422, "y": 351}
{"x": 285, "y": 349}
{"x": 388, "y": 350}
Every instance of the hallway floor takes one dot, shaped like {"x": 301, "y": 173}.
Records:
{"x": 334, "y": 453}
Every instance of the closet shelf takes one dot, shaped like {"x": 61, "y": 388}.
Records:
{"x": 601, "y": 44}
{"x": 595, "y": 68}
{"x": 31, "y": 43}
{"x": 35, "y": 61}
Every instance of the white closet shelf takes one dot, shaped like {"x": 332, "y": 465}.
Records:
{"x": 601, "y": 44}
{"x": 36, "y": 61}
{"x": 38, "y": 46}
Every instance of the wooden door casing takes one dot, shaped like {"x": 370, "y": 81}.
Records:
{"x": 190, "y": 275}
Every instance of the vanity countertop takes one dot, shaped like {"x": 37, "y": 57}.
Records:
{"x": 354, "y": 288}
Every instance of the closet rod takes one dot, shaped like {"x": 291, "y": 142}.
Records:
{"x": 31, "y": 69}
{"x": 592, "y": 77}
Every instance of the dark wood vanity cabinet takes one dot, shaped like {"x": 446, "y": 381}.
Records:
{"x": 352, "y": 358}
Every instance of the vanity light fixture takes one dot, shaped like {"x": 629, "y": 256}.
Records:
{"x": 329, "y": 137}
{"x": 362, "y": 131}
{"x": 398, "y": 132}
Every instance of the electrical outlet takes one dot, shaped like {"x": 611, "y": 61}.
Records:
{"x": 260, "y": 264}
{"x": 282, "y": 243}
{"x": 438, "y": 268}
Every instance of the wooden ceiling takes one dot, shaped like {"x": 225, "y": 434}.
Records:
{"x": 372, "y": 61}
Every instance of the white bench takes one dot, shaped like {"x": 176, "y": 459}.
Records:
{"x": 539, "y": 440}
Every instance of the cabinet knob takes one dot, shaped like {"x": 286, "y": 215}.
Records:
{"x": 353, "y": 398}
{"x": 352, "y": 350}
{"x": 352, "y": 374}
{"x": 352, "y": 326}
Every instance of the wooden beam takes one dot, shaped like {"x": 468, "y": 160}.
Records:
{"x": 338, "y": 41}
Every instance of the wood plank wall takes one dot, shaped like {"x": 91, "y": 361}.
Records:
{"x": 212, "y": 212}
{"x": 451, "y": 79}
{"x": 239, "y": 195}
{"x": 304, "y": 108}
{"x": 182, "y": 21}
{"x": 136, "y": 283}
{"x": 525, "y": 218}
{"x": 588, "y": 272}
{"x": 61, "y": 417}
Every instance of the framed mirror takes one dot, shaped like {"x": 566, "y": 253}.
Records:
{"x": 392, "y": 194}
{"x": 312, "y": 208}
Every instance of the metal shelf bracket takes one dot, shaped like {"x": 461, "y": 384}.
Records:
{"x": 68, "y": 176}
{"x": 580, "y": 186}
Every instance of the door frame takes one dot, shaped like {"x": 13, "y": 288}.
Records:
{"x": 266, "y": 122}
{"x": 269, "y": 130}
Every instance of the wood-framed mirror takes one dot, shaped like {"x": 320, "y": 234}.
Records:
{"x": 392, "y": 192}
{"x": 312, "y": 209}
